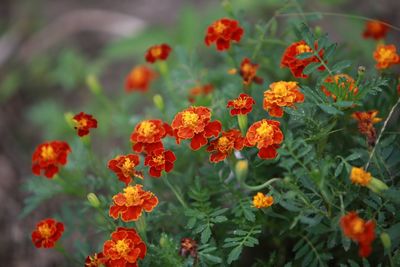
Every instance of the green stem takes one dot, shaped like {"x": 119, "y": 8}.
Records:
{"x": 261, "y": 186}
{"x": 173, "y": 189}
{"x": 142, "y": 226}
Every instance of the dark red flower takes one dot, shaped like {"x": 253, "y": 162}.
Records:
{"x": 241, "y": 105}
{"x": 222, "y": 32}
{"x": 139, "y": 79}
{"x": 248, "y": 71}
{"x": 47, "y": 232}
{"x": 49, "y": 157}
{"x": 158, "y": 52}
{"x": 124, "y": 248}
{"x": 375, "y": 29}
{"x": 96, "y": 260}
{"x": 124, "y": 167}
{"x": 83, "y": 123}
{"x": 188, "y": 247}
{"x": 160, "y": 160}
{"x": 223, "y": 146}
{"x": 147, "y": 135}
{"x": 296, "y": 65}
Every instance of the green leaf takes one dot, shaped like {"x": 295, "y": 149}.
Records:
{"x": 205, "y": 235}
{"x": 330, "y": 109}
{"x": 234, "y": 254}
{"x": 311, "y": 68}
{"x": 212, "y": 258}
{"x": 341, "y": 65}
{"x": 304, "y": 55}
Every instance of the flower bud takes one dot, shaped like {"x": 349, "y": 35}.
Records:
{"x": 69, "y": 118}
{"x": 387, "y": 243}
{"x": 241, "y": 169}
{"x": 377, "y": 185}
{"x": 93, "y": 83}
{"x": 242, "y": 121}
{"x": 159, "y": 102}
{"x": 163, "y": 240}
{"x": 227, "y": 5}
{"x": 361, "y": 71}
{"x": 93, "y": 200}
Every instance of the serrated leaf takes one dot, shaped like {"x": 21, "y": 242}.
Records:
{"x": 234, "y": 254}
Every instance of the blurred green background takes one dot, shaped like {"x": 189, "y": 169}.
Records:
{"x": 47, "y": 49}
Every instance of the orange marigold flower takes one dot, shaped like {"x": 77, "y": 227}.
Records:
{"x": 188, "y": 247}
{"x": 281, "y": 94}
{"x": 83, "y": 123}
{"x": 248, "y": 71}
{"x": 200, "y": 90}
{"x": 132, "y": 202}
{"x": 359, "y": 231}
{"x": 47, "y": 232}
{"x": 343, "y": 82}
{"x": 160, "y": 160}
{"x": 366, "y": 121}
{"x": 267, "y": 136}
{"x": 147, "y": 135}
{"x": 194, "y": 123}
{"x": 49, "y": 157}
{"x": 241, "y": 105}
{"x": 125, "y": 248}
{"x": 375, "y": 30}
{"x": 96, "y": 260}
{"x": 158, "y": 52}
{"x": 139, "y": 79}
{"x": 222, "y": 32}
{"x": 296, "y": 65}
{"x": 223, "y": 146}
{"x": 124, "y": 167}
{"x": 386, "y": 56}
{"x": 359, "y": 176}
{"x": 262, "y": 201}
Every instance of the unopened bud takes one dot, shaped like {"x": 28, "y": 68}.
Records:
{"x": 227, "y": 5}
{"x": 241, "y": 169}
{"x": 361, "y": 70}
{"x": 377, "y": 185}
{"x": 69, "y": 118}
{"x": 318, "y": 31}
{"x": 93, "y": 200}
{"x": 242, "y": 121}
{"x": 159, "y": 102}
{"x": 387, "y": 243}
{"x": 93, "y": 83}
{"x": 163, "y": 240}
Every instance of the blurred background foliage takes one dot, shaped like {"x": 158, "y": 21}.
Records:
{"x": 43, "y": 76}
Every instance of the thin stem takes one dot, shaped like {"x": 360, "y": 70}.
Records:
{"x": 381, "y": 132}
{"x": 173, "y": 189}
{"x": 261, "y": 186}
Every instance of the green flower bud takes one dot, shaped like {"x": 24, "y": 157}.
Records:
{"x": 69, "y": 118}
{"x": 241, "y": 169}
{"x": 93, "y": 200}
{"x": 93, "y": 83}
{"x": 385, "y": 238}
{"x": 159, "y": 102}
{"x": 377, "y": 185}
{"x": 242, "y": 121}
{"x": 163, "y": 240}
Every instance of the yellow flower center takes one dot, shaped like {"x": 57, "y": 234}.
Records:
{"x": 137, "y": 74}
{"x": 386, "y": 54}
{"x": 265, "y": 130}
{"x": 156, "y": 51}
{"x": 223, "y": 142}
{"x": 48, "y": 153}
{"x": 159, "y": 160}
{"x": 247, "y": 68}
{"x": 280, "y": 89}
{"x": 45, "y": 231}
{"x": 358, "y": 226}
{"x": 146, "y": 128}
{"x": 219, "y": 27}
{"x": 359, "y": 176}
{"x": 122, "y": 247}
{"x": 132, "y": 196}
{"x": 127, "y": 167}
{"x": 303, "y": 48}
{"x": 240, "y": 102}
{"x": 81, "y": 123}
{"x": 190, "y": 119}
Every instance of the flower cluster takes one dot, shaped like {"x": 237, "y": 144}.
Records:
{"x": 296, "y": 65}
{"x": 359, "y": 231}
{"x": 48, "y": 157}
{"x": 281, "y": 94}
{"x": 222, "y": 32}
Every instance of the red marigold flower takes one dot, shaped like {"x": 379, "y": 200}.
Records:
{"x": 160, "y": 160}
{"x": 194, "y": 123}
{"x": 139, "y": 79}
{"x": 225, "y": 144}
{"x": 124, "y": 248}
{"x": 296, "y": 65}
{"x": 359, "y": 231}
{"x": 267, "y": 136}
{"x": 241, "y": 105}
{"x": 375, "y": 29}
{"x": 83, "y": 123}
{"x": 158, "y": 52}
{"x": 386, "y": 56}
{"x": 366, "y": 121}
{"x": 188, "y": 247}
{"x": 132, "y": 202}
{"x": 147, "y": 135}
{"x": 46, "y": 233}
{"x": 97, "y": 260}
{"x": 124, "y": 167}
{"x": 344, "y": 82}
{"x": 281, "y": 94}
{"x": 222, "y": 32}
{"x": 49, "y": 157}
{"x": 200, "y": 90}
{"x": 248, "y": 71}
